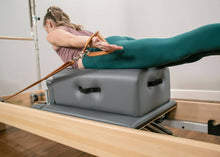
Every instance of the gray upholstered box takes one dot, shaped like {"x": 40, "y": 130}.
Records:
{"x": 132, "y": 92}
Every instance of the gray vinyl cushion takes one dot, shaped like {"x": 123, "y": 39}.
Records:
{"x": 131, "y": 92}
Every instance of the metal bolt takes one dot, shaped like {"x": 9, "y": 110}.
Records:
{"x": 87, "y": 52}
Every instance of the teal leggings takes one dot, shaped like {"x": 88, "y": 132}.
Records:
{"x": 159, "y": 52}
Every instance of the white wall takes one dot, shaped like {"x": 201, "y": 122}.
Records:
{"x": 135, "y": 18}
{"x": 166, "y": 18}
{"x": 17, "y": 61}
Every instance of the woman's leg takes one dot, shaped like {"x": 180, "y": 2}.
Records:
{"x": 145, "y": 53}
{"x": 114, "y": 60}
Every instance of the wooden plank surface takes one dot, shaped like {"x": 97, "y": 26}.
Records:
{"x": 18, "y": 143}
{"x": 102, "y": 139}
{"x": 196, "y": 111}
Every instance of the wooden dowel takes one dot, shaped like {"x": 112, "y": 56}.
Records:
{"x": 15, "y": 38}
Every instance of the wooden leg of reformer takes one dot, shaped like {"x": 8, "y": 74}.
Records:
{"x": 2, "y": 127}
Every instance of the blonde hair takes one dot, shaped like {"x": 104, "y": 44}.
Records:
{"x": 60, "y": 18}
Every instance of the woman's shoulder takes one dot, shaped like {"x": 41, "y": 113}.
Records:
{"x": 74, "y": 31}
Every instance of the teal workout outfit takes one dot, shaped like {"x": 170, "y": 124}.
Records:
{"x": 158, "y": 52}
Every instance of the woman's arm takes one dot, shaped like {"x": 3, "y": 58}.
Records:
{"x": 61, "y": 38}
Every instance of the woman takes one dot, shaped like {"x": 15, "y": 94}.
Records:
{"x": 69, "y": 39}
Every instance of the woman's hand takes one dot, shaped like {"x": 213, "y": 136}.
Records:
{"x": 98, "y": 43}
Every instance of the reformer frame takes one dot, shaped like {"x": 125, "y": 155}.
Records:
{"x": 103, "y": 139}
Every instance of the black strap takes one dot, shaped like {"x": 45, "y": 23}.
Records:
{"x": 89, "y": 90}
{"x": 154, "y": 83}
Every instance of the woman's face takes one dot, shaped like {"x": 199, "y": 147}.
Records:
{"x": 46, "y": 28}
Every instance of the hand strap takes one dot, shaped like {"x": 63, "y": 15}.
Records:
{"x": 96, "y": 53}
{"x": 64, "y": 66}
